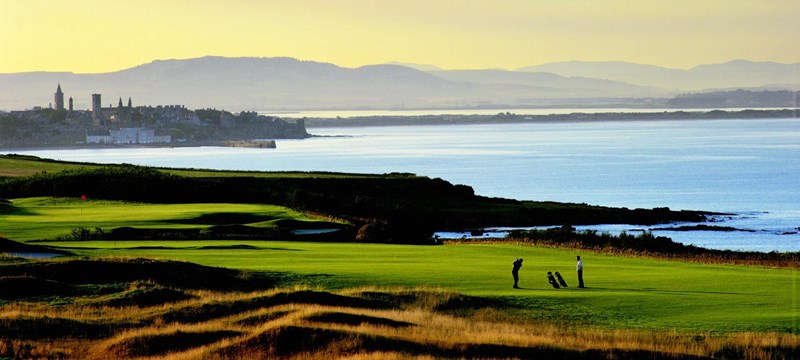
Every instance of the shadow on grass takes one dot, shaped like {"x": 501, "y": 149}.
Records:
{"x": 356, "y": 320}
{"x": 144, "y": 295}
{"x": 259, "y": 319}
{"x": 160, "y": 344}
{"x": 10, "y": 246}
{"x": 8, "y": 208}
{"x": 165, "y": 273}
{"x": 222, "y": 219}
{"x": 288, "y": 341}
{"x": 53, "y": 327}
{"x": 196, "y": 313}
{"x": 664, "y": 291}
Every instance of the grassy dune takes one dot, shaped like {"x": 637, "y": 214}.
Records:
{"x": 212, "y": 299}
{"x": 152, "y": 315}
{"x": 624, "y": 292}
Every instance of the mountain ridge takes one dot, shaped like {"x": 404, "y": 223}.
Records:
{"x": 285, "y": 83}
{"x": 731, "y": 74}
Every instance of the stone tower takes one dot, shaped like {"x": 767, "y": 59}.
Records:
{"x": 59, "y": 98}
{"x": 70, "y": 103}
{"x": 97, "y": 109}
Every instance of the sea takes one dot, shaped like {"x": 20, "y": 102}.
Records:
{"x": 748, "y": 170}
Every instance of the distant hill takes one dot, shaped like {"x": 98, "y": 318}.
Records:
{"x": 554, "y": 85}
{"x": 420, "y": 67}
{"x": 732, "y": 74}
{"x": 263, "y": 84}
{"x": 285, "y": 83}
{"x": 232, "y": 83}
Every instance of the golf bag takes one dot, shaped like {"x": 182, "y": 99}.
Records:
{"x": 561, "y": 280}
{"x": 552, "y": 280}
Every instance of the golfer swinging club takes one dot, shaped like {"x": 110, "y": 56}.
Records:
{"x": 515, "y": 271}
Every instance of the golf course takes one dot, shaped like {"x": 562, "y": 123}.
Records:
{"x": 211, "y": 279}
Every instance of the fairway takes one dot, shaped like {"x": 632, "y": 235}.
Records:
{"x": 16, "y": 165}
{"x": 622, "y": 292}
{"x": 47, "y": 218}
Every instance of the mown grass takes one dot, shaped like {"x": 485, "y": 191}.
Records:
{"x": 623, "y": 292}
{"x": 365, "y": 323}
{"x": 364, "y": 300}
{"x": 18, "y": 165}
{"x": 48, "y": 218}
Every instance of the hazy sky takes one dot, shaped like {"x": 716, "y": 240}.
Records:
{"x": 100, "y": 36}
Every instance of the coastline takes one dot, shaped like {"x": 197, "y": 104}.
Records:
{"x": 511, "y": 118}
{"x": 429, "y": 120}
{"x": 221, "y": 143}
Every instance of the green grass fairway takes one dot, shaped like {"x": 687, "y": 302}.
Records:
{"x": 623, "y": 292}
{"x": 25, "y": 165}
{"x": 46, "y": 218}
{"x": 15, "y": 165}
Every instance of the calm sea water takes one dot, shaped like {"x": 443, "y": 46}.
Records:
{"x": 522, "y": 111}
{"x": 748, "y": 168}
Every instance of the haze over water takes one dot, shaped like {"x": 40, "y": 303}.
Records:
{"x": 746, "y": 167}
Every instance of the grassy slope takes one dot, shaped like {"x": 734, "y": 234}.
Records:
{"x": 622, "y": 292}
{"x": 23, "y": 166}
{"x": 409, "y": 206}
{"x": 46, "y": 218}
{"x": 16, "y": 165}
{"x": 145, "y": 318}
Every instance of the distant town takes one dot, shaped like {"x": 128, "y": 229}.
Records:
{"x": 60, "y": 124}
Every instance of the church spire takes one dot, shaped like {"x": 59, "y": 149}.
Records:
{"x": 59, "y": 98}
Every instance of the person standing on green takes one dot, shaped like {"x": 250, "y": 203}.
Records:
{"x": 515, "y": 271}
{"x": 580, "y": 272}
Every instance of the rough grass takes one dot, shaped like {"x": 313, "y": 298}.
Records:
{"x": 147, "y": 319}
{"x": 82, "y": 272}
{"x": 160, "y": 343}
{"x": 409, "y": 323}
{"x": 622, "y": 291}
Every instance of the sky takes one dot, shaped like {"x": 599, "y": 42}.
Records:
{"x": 94, "y": 36}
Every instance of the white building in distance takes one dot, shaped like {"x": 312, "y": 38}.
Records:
{"x": 127, "y": 136}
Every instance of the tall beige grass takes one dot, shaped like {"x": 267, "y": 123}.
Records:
{"x": 430, "y": 327}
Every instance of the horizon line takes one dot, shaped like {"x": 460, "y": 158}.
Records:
{"x": 401, "y": 63}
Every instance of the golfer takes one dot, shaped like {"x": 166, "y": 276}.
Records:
{"x": 515, "y": 271}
